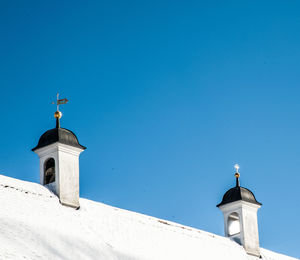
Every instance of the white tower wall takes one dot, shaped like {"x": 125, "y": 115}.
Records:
{"x": 66, "y": 184}
{"x": 248, "y": 236}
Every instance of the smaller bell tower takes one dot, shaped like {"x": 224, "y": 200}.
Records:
{"x": 59, "y": 150}
{"x": 239, "y": 207}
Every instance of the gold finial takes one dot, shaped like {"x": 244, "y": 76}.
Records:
{"x": 58, "y": 114}
{"x": 237, "y": 174}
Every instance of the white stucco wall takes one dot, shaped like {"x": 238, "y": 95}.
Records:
{"x": 249, "y": 235}
{"x": 66, "y": 185}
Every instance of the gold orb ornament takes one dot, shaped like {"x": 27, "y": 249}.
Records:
{"x": 58, "y": 114}
{"x": 237, "y": 175}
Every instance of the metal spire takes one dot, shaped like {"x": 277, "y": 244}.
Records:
{"x": 237, "y": 175}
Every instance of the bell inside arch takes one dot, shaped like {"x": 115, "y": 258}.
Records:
{"x": 49, "y": 173}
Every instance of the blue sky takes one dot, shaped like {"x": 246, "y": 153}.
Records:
{"x": 167, "y": 96}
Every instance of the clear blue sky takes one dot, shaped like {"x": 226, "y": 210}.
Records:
{"x": 167, "y": 96}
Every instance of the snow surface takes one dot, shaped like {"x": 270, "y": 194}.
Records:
{"x": 34, "y": 225}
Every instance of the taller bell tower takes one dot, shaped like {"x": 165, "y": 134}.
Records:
{"x": 58, "y": 150}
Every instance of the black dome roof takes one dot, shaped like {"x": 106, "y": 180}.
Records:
{"x": 238, "y": 193}
{"x": 60, "y": 135}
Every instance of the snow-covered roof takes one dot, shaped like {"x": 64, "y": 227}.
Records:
{"x": 34, "y": 225}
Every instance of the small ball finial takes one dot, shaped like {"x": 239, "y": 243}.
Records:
{"x": 58, "y": 114}
{"x": 237, "y": 174}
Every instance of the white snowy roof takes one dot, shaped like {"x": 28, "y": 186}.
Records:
{"x": 34, "y": 225}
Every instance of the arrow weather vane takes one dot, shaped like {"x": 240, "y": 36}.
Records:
{"x": 60, "y": 101}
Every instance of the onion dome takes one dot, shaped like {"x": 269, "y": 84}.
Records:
{"x": 58, "y": 134}
{"x": 238, "y": 193}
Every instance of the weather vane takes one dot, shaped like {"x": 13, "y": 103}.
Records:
{"x": 59, "y": 101}
{"x": 58, "y": 114}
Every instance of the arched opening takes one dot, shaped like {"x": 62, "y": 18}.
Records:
{"x": 233, "y": 224}
{"x": 49, "y": 171}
